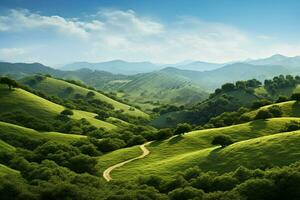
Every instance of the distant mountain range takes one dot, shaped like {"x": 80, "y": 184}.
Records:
{"x": 278, "y": 60}
{"x": 168, "y": 84}
{"x": 130, "y": 68}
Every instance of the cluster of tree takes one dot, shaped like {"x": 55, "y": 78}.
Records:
{"x": 243, "y": 183}
{"x": 9, "y": 82}
{"x": 180, "y": 130}
{"x": 201, "y": 114}
{"x": 280, "y": 82}
{"x": 272, "y": 111}
{"x": 247, "y": 86}
{"x": 227, "y": 119}
{"x": 292, "y": 126}
{"x": 167, "y": 109}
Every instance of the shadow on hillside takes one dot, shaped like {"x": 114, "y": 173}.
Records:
{"x": 295, "y": 109}
{"x": 213, "y": 161}
{"x": 175, "y": 139}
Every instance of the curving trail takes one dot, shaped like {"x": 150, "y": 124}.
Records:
{"x": 106, "y": 173}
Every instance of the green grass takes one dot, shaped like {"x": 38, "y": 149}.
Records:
{"x": 11, "y": 129}
{"x": 116, "y": 157}
{"x": 6, "y": 147}
{"x": 289, "y": 109}
{"x": 21, "y": 100}
{"x": 57, "y": 87}
{"x": 178, "y": 153}
{"x": 6, "y": 170}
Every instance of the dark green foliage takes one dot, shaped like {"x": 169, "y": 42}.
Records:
{"x": 263, "y": 114}
{"x": 228, "y": 118}
{"x": 223, "y": 140}
{"x": 135, "y": 140}
{"x": 67, "y": 112}
{"x": 228, "y": 87}
{"x": 295, "y": 96}
{"x": 280, "y": 82}
{"x": 275, "y": 111}
{"x": 164, "y": 133}
{"x": 260, "y": 103}
{"x": 182, "y": 129}
{"x": 292, "y": 126}
{"x": 109, "y": 144}
{"x": 90, "y": 94}
{"x": 282, "y": 99}
{"x": 102, "y": 115}
{"x": 186, "y": 193}
{"x": 9, "y": 82}
{"x": 83, "y": 163}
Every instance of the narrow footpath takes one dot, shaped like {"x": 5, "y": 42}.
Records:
{"x": 106, "y": 173}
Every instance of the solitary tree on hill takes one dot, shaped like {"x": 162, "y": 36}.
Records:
{"x": 182, "y": 128}
{"x": 223, "y": 140}
{"x": 9, "y": 82}
{"x": 67, "y": 112}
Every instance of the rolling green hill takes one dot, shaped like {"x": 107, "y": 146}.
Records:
{"x": 7, "y": 129}
{"x": 289, "y": 108}
{"x": 21, "y": 100}
{"x": 58, "y": 88}
{"x": 201, "y": 113}
{"x": 179, "y": 153}
{"x": 159, "y": 86}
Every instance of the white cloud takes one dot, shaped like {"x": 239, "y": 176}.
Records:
{"x": 9, "y": 53}
{"x": 117, "y": 34}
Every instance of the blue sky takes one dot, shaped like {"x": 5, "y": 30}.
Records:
{"x": 57, "y": 32}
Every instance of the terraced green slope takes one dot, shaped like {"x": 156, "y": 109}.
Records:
{"x": 57, "y": 87}
{"x": 15, "y": 130}
{"x": 178, "y": 153}
{"x": 21, "y": 100}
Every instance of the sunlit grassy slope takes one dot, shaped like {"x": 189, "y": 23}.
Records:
{"x": 57, "y": 87}
{"x": 289, "y": 108}
{"x": 194, "y": 148}
{"x": 21, "y": 100}
{"x": 117, "y": 156}
{"x": 6, "y": 170}
{"x": 6, "y": 147}
{"x": 14, "y": 130}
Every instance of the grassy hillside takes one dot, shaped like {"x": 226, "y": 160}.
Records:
{"x": 289, "y": 108}
{"x": 6, "y": 147}
{"x": 160, "y": 87}
{"x": 57, "y": 87}
{"x": 6, "y": 170}
{"x": 179, "y": 153}
{"x": 7, "y": 129}
{"x": 21, "y": 100}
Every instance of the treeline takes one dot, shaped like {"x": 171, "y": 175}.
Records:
{"x": 247, "y": 86}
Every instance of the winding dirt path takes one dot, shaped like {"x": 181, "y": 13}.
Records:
{"x": 106, "y": 173}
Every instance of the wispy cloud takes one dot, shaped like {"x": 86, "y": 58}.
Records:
{"x": 117, "y": 34}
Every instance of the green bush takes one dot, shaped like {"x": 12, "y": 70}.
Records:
{"x": 223, "y": 140}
